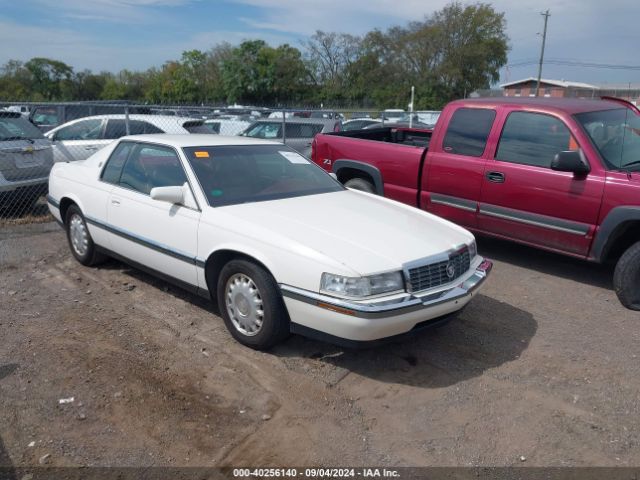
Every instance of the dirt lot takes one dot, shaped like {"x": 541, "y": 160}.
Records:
{"x": 541, "y": 369}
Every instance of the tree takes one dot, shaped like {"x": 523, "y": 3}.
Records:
{"x": 50, "y": 79}
{"x": 256, "y": 73}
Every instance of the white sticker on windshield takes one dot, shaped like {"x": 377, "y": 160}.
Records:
{"x": 293, "y": 157}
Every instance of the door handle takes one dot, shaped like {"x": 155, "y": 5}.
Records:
{"x": 90, "y": 148}
{"x": 495, "y": 177}
{"x": 115, "y": 201}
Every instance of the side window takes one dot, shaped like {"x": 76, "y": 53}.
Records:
{"x": 302, "y": 130}
{"x": 113, "y": 168}
{"x": 468, "y": 131}
{"x": 152, "y": 166}
{"x": 83, "y": 130}
{"x": 149, "y": 128}
{"x": 115, "y": 129}
{"x": 533, "y": 139}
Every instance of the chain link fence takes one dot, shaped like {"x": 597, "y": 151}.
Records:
{"x": 34, "y": 136}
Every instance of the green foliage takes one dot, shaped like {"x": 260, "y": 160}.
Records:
{"x": 447, "y": 55}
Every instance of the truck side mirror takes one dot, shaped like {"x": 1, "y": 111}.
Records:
{"x": 571, "y": 161}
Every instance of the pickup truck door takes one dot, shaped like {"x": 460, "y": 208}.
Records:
{"x": 524, "y": 200}
{"x": 153, "y": 233}
{"x": 452, "y": 177}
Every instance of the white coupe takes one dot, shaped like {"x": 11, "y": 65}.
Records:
{"x": 277, "y": 242}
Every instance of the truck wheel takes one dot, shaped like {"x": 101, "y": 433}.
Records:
{"x": 80, "y": 241}
{"x": 360, "y": 184}
{"x": 251, "y": 305}
{"x": 626, "y": 278}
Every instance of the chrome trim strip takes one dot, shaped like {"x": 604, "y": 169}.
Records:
{"x": 53, "y": 202}
{"x": 535, "y": 220}
{"x": 455, "y": 202}
{"x": 406, "y": 304}
{"x": 145, "y": 242}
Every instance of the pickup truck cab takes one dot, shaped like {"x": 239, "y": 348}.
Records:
{"x": 558, "y": 174}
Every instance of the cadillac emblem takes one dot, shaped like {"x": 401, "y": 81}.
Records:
{"x": 451, "y": 270}
{"x": 27, "y": 150}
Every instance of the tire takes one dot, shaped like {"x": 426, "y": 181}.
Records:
{"x": 244, "y": 290}
{"x": 80, "y": 241}
{"x": 360, "y": 184}
{"x": 626, "y": 278}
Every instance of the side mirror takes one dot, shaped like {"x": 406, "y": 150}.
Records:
{"x": 571, "y": 161}
{"x": 173, "y": 195}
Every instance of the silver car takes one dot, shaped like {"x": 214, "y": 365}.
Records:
{"x": 299, "y": 132}
{"x": 79, "y": 139}
{"x": 26, "y": 159}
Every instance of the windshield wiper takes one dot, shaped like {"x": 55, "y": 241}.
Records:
{"x": 635, "y": 163}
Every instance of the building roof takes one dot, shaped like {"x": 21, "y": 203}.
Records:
{"x": 555, "y": 83}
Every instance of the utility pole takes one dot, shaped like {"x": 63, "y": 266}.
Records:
{"x": 546, "y": 16}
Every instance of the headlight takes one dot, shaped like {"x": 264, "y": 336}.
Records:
{"x": 473, "y": 249}
{"x": 360, "y": 287}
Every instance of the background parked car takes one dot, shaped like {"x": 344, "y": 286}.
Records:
{"x": 360, "y": 123}
{"x": 50, "y": 115}
{"x": 224, "y": 126}
{"x": 79, "y": 139}
{"x": 26, "y": 159}
{"x": 299, "y": 133}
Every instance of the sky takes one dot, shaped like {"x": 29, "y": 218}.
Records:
{"x": 110, "y": 35}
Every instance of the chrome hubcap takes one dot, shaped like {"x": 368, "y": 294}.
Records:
{"x": 244, "y": 304}
{"x": 78, "y": 235}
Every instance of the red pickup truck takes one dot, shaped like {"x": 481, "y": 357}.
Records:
{"x": 558, "y": 174}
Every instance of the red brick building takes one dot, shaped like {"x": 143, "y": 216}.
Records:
{"x": 549, "y": 88}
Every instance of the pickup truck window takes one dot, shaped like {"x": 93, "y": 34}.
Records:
{"x": 616, "y": 135}
{"x": 468, "y": 131}
{"x": 533, "y": 139}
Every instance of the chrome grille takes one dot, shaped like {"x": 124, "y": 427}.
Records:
{"x": 435, "y": 274}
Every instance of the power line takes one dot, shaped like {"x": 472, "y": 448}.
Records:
{"x": 571, "y": 63}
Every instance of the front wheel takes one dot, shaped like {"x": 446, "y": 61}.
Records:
{"x": 251, "y": 305}
{"x": 360, "y": 184}
{"x": 626, "y": 277}
{"x": 80, "y": 241}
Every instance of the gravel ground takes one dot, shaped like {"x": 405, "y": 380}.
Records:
{"x": 541, "y": 369}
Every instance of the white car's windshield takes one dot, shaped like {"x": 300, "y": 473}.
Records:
{"x": 251, "y": 173}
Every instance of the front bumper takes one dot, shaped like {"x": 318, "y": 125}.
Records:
{"x": 379, "y": 318}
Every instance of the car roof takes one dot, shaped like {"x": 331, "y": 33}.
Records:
{"x": 566, "y": 105}
{"x": 315, "y": 121}
{"x": 197, "y": 140}
{"x": 157, "y": 120}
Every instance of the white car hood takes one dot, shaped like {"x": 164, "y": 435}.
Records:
{"x": 366, "y": 233}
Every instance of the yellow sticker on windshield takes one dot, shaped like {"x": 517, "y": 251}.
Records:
{"x": 201, "y": 154}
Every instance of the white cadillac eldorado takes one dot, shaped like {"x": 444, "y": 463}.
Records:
{"x": 277, "y": 242}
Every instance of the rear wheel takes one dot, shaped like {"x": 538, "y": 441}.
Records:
{"x": 80, "y": 241}
{"x": 626, "y": 277}
{"x": 251, "y": 305}
{"x": 360, "y": 184}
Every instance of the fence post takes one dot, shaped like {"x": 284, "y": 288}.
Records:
{"x": 284, "y": 124}
{"x": 126, "y": 121}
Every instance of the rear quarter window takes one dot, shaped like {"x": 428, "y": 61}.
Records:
{"x": 468, "y": 131}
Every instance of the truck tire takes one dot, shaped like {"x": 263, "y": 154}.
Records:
{"x": 360, "y": 184}
{"x": 626, "y": 277}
